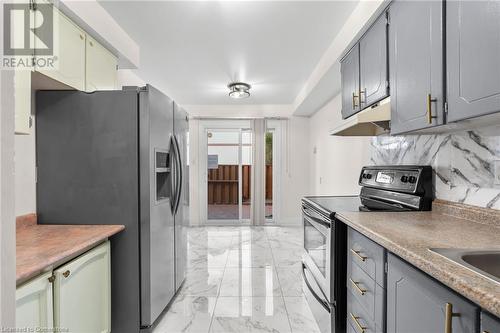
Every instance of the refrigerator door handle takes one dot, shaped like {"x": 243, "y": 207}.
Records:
{"x": 173, "y": 181}
{"x": 178, "y": 176}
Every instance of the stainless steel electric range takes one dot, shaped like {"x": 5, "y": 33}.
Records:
{"x": 383, "y": 188}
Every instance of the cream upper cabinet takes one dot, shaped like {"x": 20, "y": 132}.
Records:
{"x": 34, "y": 303}
{"x": 82, "y": 292}
{"x": 22, "y": 83}
{"x": 69, "y": 48}
{"x": 22, "y": 101}
{"x": 100, "y": 67}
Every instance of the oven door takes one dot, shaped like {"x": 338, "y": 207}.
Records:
{"x": 318, "y": 231}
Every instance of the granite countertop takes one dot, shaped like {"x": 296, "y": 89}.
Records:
{"x": 410, "y": 235}
{"x": 41, "y": 248}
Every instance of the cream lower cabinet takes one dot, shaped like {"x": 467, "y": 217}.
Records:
{"x": 82, "y": 293}
{"x": 34, "y": 303}
{"x": 100, "y": 67}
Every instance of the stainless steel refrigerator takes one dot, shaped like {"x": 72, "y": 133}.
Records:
{"x": 120, "y": 157}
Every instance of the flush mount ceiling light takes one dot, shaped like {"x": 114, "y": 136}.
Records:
{"x": 239, "y": 90}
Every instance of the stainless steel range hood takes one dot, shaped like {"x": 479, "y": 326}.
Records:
{"x": 372, "y": 121}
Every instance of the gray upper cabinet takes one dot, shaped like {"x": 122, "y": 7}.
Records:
{"x": 373, "y": 63}
{"x": 349, "y": 72}
{"x": 416, "y": 65}
{"x": 473, "y": 58}
{"x": 416, "y": 303}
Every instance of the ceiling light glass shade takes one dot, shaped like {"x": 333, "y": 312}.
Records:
{"x": 239, "y": 94}
{"x": 239, "y": 90}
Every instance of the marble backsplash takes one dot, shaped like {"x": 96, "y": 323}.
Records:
{"x": 463, "y": 162}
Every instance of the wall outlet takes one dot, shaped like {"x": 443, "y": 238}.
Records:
{"x": 496, "y": 167}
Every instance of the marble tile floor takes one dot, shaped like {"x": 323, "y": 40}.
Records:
{"x": 241, "y": 279}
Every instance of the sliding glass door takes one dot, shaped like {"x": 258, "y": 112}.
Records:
{"x": 229, "y": 169}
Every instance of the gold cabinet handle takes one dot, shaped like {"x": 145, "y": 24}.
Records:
{"x": 448, "y": 328}
{"x": 66, "y": 274}
{"x": 81, "y": 37}
{"x": 91, "y": 44}
{"x": 354, "y": 106}
{"x": 429, "y": 108}
{"x": 361, "y": 101}
{"x": 357, "y": 287}
{"x": 357, "y": 254}
{"x": 52, "y": 278}
{"x": 361, "y": 328}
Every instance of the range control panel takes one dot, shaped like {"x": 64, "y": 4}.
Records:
{"x": 391, "y": 178}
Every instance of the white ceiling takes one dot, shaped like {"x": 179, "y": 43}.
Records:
{"x": 193, "y": 49}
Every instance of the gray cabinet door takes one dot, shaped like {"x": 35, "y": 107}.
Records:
{"x": 489, "y": 323}
{"x": 473, "y": 58}
{"x": 349, "y": 72}
{"x": 416, "y": 303}
{"x": 373, "y": 63}
{"x": 415, "y": 64}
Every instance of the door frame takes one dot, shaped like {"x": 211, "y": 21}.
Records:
{"x": 220, "y": 125}
{"x": 275, "y": 125}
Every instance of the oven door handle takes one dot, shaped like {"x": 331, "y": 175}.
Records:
{"x": 321, "y": 301}
{"x": 315, "y": 219}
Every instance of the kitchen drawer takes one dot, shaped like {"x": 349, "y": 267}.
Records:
{"x": 357, "y": 317}
{"x": 489, "y": 323}
{"x": 323, "y": 313}
{"x": 369, "y": 294}
{"x": 366, "y": 254}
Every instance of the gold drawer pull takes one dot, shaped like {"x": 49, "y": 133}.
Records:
{"x": 357, "y": 254}
{"x": 81, "y": 37}
{"x": 358, "y": 324}
{"x": 66, "y": 274}
{"x": 356, "y": 286}
{"x": 449, "y": 317}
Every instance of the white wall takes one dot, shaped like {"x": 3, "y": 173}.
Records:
{"x": 7, "y": 217}
{"x": 295, "y": 180}
{"x": 128, "y": 77}
{"x": 335, "y": 161}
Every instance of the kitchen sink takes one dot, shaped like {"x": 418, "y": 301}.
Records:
{"x": 484, "y": 262}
